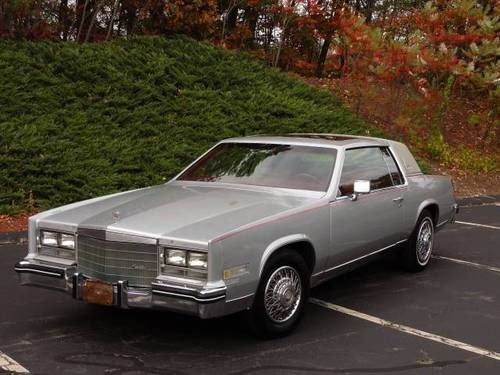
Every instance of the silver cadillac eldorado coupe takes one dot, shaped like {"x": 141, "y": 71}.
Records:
{"x": 250, "y": 226}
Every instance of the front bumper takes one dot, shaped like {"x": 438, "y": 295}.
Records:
{"x": 202, "y": 302}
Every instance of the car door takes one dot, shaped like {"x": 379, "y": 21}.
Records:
{"x": 373, "y": 221}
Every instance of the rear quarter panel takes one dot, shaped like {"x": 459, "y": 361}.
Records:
{"x": 424, "y": 190}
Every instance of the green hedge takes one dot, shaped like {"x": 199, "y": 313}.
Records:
{"x": 78, "y": 121}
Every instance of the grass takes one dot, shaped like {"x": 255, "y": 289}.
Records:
{"x": 78, "y": 121}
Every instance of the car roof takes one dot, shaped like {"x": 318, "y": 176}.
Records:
{"x": 313, "y": 139}
{"x": 340, "y": 141}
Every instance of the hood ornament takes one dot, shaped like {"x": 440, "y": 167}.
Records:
{"x": 116, "y": 216}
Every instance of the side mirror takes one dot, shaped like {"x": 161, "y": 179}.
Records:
{"x": 360, "y": 187}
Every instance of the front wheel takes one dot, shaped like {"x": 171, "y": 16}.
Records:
{"x": 281, "y": 296}
{"x": 418, "y": 250}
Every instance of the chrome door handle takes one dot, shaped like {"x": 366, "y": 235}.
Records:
{"x": 398, "y": 201}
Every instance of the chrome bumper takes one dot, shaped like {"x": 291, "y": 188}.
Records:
{"x": 201, "y": 302}
{"x": 451, "y": 217}
{"x": 455, "y": 211}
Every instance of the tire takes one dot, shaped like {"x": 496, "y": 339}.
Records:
{"x": 418, "y": 250}
{"x": 286, "y": 274}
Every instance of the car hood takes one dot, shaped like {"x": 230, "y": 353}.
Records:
{"x": 176, "y": 210}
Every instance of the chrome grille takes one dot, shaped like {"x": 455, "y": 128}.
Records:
{"x": 111, "y": 261}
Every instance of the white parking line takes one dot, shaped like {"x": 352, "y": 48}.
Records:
{"x": 10, "y": 366}
{"x": 412, "y": 331}
{"x": 471, "y": 264}
{"x": 477, "y": 225}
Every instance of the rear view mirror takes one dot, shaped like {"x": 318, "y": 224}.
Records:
{"x": 360, "y": 187}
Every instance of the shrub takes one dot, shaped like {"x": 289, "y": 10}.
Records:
{"x": 78, "y": 121}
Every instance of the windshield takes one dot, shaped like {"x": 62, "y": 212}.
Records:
{"x": 274, "y": 165}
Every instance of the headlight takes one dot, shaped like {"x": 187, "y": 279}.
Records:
{"x": 67, "y": 241}
{"x": 175, "y": 257}
{"x": 49, "y": 238}
{"x": 197, "y": 260}
{"x": 184, "y": 264}
{"x": 56, "y": 244}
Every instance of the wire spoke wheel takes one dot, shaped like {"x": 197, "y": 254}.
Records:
{"x": 425, "y": 239}
{"x": 283, "y": 293}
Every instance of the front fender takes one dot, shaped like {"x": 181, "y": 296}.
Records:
{"x": 279, "y": 243}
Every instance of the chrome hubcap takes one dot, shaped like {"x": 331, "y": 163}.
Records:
{"x": 282, "y": 294}
{"x": 425, "y": 241}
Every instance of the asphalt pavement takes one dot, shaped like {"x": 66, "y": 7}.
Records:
{"x": 377, "y": 319}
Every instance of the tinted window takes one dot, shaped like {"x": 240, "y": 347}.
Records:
{"x": 284, "y": 166}
{"x": 395, "y": 173}
{"x": 364, "y": 164}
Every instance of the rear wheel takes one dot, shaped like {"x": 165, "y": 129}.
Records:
{"x": 281, "y": 296}
{"x": 417, "y": 252}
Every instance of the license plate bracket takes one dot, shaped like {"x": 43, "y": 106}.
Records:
{"x": 97, "y": 292}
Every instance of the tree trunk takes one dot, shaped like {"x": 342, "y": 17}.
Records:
{"x": 83, "y": 15}
{"x": 229, "y": 17}
{"x": 286, "y": 22}
{"x": 251, "y": 18}
{"x": 130, "y": 14}
{"x": 281, "y": 43}
{"x": 323, "y": 55}
{"x": 114, "y": 10}
{"x": 92, "y": 22}
{"x": 157, "y": 16}
{"x": 232, "y": 16}
{"x": 62, "y": 19}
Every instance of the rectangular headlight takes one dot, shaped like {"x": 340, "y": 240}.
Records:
{"x": 175, "y": 257}
{"x": 197, "y": 260}
{"x": 56, "y": 244}
{"x": 67, "y": 241}
{"x": 49, "y": 238}
{"x": 184, "y": 264}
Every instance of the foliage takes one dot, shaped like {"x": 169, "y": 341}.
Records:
{"x": 79, "y": 121}
{"x": 412, "y": 41}
{"x": 457, "y": 37}
{"x": 436, "y": 52}
{"x": 470, "y": 160}
{"x": 196, "y": 18}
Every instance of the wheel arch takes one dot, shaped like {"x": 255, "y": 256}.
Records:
{"x": 433, "y": 207}
{"x": 300, "y": 243}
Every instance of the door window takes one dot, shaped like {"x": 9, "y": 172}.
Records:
{"x": 374, "y": 164}
{"x": 395, "y": 173}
